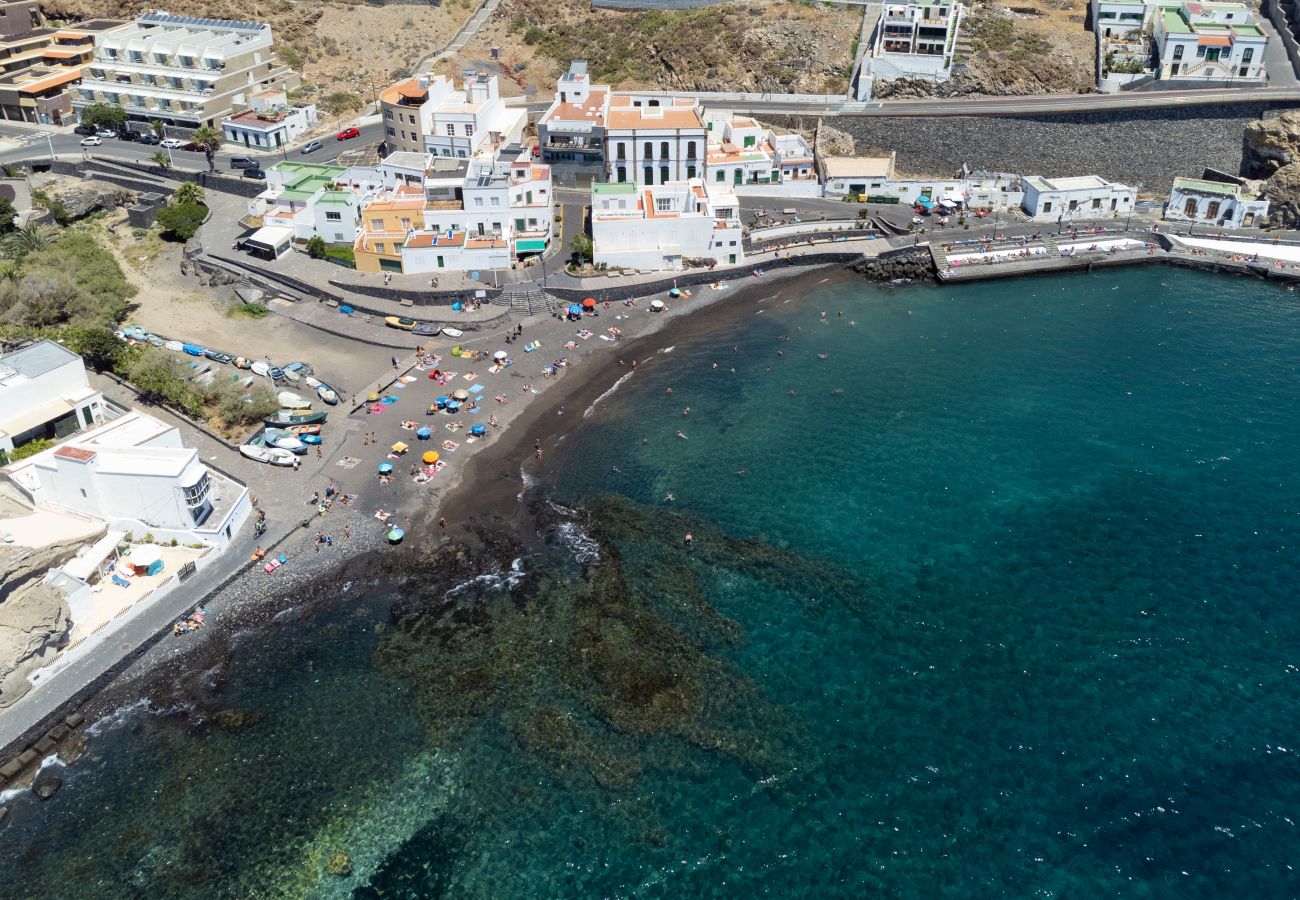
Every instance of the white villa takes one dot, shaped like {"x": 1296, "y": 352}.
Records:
{"x": 305, "y": 200}
{"x": 911, "y": 40}
{"x": 752, "y": 159}
{"x": 270, "y": 123}
{"x": 1079, "y": 198}
{"x": 573, "y": 128}
{"x": 44, "y": 393}
{"x": 654, "y": 139}
{"x": 1204, "y": 202}
{"x": 669, "y": 226}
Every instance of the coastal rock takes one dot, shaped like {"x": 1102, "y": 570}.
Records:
{"x": 339, "y": 864}
{"x": 46, "y": 787}
{"x": 1283, "y": 192}
{"x": 34, "y": 618}
{"x": 4, "y": 814}
{"x": 912, "y": 265}
{"x": 86, "y": 197}
{"x": 1272, "y": 143}
{"x": 73, "y": 747}
{"x": 232, "y": 719}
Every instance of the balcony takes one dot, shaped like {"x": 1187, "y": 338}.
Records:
{"x": 152, "y": 90}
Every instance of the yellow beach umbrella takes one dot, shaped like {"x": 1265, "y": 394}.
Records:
{"x": 372, "y": 396}
{"x": 431, "y": 456}
{"x": 399, "y": 447}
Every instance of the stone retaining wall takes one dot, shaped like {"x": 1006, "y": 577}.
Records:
{"x": 1141, "y": 148}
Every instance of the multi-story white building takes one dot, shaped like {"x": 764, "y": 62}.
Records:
{"x": 1209, "y": 42}
{"x": 1215, "y": 203}
{"x": 182, "y": 70}
{"x": 271, "y": 122}
{"x": 754, "y": 160}
{"x": 313, "y": 199}
{"x": 44, "y": 393}
{"x": 427, "y": 114}
{"x": 667, "y": 226}
{"x": 456, "y": 215}
{"x": 1075, "y": 199}
{"x": 914, "y": 40}
{"x": 654, "y": 139}
{"x": 573, "y": 128}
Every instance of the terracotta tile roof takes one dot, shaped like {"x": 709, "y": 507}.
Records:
{"x": 1214, "y": 40}
{"x": 404, "y": 90}
{"x": 594, "y": 104}
{"x": 435, "y": 239}
{"x": 77, "y": 453}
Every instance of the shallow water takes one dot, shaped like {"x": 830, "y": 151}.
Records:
{"x": 1013, "y": 615}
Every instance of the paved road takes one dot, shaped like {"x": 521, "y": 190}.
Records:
{"x": 38, "y": 142}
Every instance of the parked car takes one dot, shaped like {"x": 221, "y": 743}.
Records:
{"x": 349, "y": 133}
{"x": 91, "y": 141}
{"x": 85, "y": 129}
{"x": 310, "y": 147}
{"x": 193, "y": 147}
{"x": 149, "y": 138}
{"x": 173, "y": 143}
{"x": 128, "y": 135}
{"x": 243, "y": 162}
{"x": 106, "y": 132}
{"x": 256, "y": 174}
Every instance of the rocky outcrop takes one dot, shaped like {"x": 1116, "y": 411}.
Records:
{"x": 85, "y": 197}
{"x": 912, "y": 265}
{"x": 1283, "y": 192}
{"x": 46, "y": 787}
{"x": 34, "y": 619}
{"x": 339, "y": 864}
{"x": 1271, "y": 144}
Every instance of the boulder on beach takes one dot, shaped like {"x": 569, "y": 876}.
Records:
{"x": 46, "y": 786}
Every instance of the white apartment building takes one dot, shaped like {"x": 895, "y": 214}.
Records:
{"x": 135, "y": 474}
{"x": 314, "y": 199}
{"x": 654, "y": 139}
{"x": 427, "y": 114}
{"x": 665, "y": 227}
{"x": 573, "y": 128}
{"x": 270, "y": 123}
{"x": 456, "y": 215}
{"x": 1215, "y": 203}
{"x": 914, "y": 40}
{"x": 1120, "y": 18}
{"x": 44, "y": 393}
{"x": 183, "y": 70}
{"x": 1209, "y": 42}
{"x": 1075, "y": 199}
{"x": 755, "y": 161}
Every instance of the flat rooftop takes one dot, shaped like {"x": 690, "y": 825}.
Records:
{"x": 1075, "y": 183}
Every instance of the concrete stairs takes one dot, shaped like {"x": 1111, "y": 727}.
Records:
{"x": 528, "y": 300}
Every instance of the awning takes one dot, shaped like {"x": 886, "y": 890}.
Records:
{"x": 1214, "y": 40}
{"x": 85, "y": 564}
{"x": 529, "y": 245}
{"x": 269, "y": 237}
{"x": 26, "y": 421}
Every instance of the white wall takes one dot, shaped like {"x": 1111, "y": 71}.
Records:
{"x": 662, "y": 243}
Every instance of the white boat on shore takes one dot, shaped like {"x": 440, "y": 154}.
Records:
{"x": 290, "y": 400}
{"x": 284, "y": 440}
{"x": 261, "y": 368}
{"x": 327, "y": 394}
{"x": 272, "y": 455}
{"x": 175, "y": 346}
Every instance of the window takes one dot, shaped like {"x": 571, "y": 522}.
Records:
{"x": 690, "y": 150}
{"x": 1105, "y": 15}
{"x": 1178, "y": 51}
{"x": 1212, "y": 212}
{"x": 721, "y": 176}
{"x": 376, "y": 224}
{"x": 496, "y": 201}
{"x": 333, "y": 217}
{"x": 663, "y": 204}
{"x": 519, "y": 224}
{"x": 690, "y": 171}
{"x": 411, "y": 118}
{"x": 406, "y": 223}
{"x": 663, "y": 174}
{"x": 478, "y": 201}
{"x": 1096, "y": 203}
{"x": 622, "y": 151}
{"x": 469, "y": 131}
{"x": 663, "y": 149}
{"x": 1200, "y": 53}
{"x": 1247, "y": 55}
{"x": 532, "y": 223}
{"x": 1047, "y": 207}
{"x": 451, "y": 130}
{"x": 649, "y": 150}
{"x": 379, "y": 247}
{"x": 649, "y": 175}
{"x": 388, "y": 114}
{"x": 621, "y": 174}
{"x": 750, "y": 140}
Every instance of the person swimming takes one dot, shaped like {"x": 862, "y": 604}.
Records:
{"x": 682, "y": 436}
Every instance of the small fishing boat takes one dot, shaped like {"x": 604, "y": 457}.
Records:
{"x": 311, "y": 440}
{"x": 404, "y": 323}
{"x": 275, "y": 373}
{"x": 284, "y": 440}
{"x": 243, "y": 363}
{"x": 154, "y": 340}
{"x": 300, "y": 369}
{"x": 175, "y": 346}
{"x": 303, "y": 431}
{"x": 327, "y": 394}
{"x": 311, "y": 381}
{"x": 260, "y": 368}
{"x": 218, "y": 356}
{"x": 426, "y": 328}
{"x": 193, "y": 349}
{"x": 272, "y": 455}
{"x": 291, "y": 375}
{"x": 290, "y": 400}
{"x": 293, "y": 417}
{"x": 452, "y": 332}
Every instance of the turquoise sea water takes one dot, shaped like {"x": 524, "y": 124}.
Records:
{"x": 1000, "y": 601}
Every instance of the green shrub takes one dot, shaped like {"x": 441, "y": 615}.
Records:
{"x": 182, "y": 220}
{"x": 316, "y": 247}
{"x": 30, "y": 449}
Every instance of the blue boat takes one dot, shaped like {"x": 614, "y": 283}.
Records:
{"x": 312, "y": 439}
{"x": 193, "y": 349}
{"x": 275, "y": 373}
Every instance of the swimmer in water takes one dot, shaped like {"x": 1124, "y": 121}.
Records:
{"x": 682, "y": 436}
{"x": 791, "y": 392}
{"x": 615, "y": 469}
{"x": 780, "y": 353}
{"x": 742, "y": 471}
{"x": 821, "y": 355}
{"x": 838, "y": 391}
{"x": 669, "y": 497}
{"x": 686, "y": 412}
{"x": 715, "y": 364}
{"x": 668, "y": 390}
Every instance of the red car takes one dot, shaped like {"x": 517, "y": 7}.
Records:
{"x": 348, "y": 133}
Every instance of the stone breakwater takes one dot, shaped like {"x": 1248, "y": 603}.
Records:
{"x": 1142, "y": 148}
{"x": 913, "y": 264}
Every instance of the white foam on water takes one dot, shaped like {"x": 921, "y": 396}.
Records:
{"x": 46, "y": 763}
{"x": 668, "y": 349}
{"x": 584, "y": 547}
{"x": 591, "y": 409}
{"x": 117, "y": 718}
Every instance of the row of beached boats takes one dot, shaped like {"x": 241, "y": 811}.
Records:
{"x": 289, "y": 433}
{"x": 295, "y": 373}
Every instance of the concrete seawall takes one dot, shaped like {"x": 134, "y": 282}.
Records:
{"x": 1142, "y": 148}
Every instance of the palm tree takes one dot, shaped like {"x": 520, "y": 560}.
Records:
{"x": 161, "y": 160}
{"x": 189, "y": 192}
{"x": 210, "y": 140}
{"x": 158, "y": 127}
{"x": 22, "y": 241}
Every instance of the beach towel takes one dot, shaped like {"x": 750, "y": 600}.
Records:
{"x": 408, "y": 379}
{"x": 450, "y": 445}
{"x": 471, "y": 440}
{"x": 377, "y": 408}
{"x": 348, "y": 462}
{"x": 470, "y": 376}
{"x": 390, "y": 399}
{"x": 529, "y": 348}
{"x": 478, "y": 388}
{"x": 605, "y": 337}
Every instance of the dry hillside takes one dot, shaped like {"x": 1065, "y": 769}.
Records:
{"x": 334, "y": 46}
{"x": 770, "y": 45}
{"x": 1026, "y": 47}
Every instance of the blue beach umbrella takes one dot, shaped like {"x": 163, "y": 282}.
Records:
{"x": 477, "y": 430}
{"x": 575, "y": 309}
{"x": 453, "y": 406}
{"x": 423, "y": 434}
{"x": 385, "y": 468}
{"x": 456, "y": 307}
{"x": 395, "y": 536}
{"x": 442, "y": 401}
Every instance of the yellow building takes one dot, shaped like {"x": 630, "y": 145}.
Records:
{"x": 385, "y": 223}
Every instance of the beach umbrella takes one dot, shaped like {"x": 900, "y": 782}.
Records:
{"x": 399, "y": 447}
{"x": 453, "y": 406}
{"x": 589, "y": 303}
{"x": 385, "y": 468}
{"x": 433, "y": 376}
{"x": 656, "y": 304}
{"x": 456, "y": 351}
{"x": 372, "y": 396}
{"x": 456, "y": 307}
{"x": 575, "y": 309}
{"x": 675, "y": 292}
{"x": 478, "y": 430}
{"x": 946, "y": 203}
{"x": 430, "y": 457}
{"x": 395, "y": 536}
{"x": 460, "y": 394}
{"x": 500, "y": 355}
{"x": 423, "y": 434}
